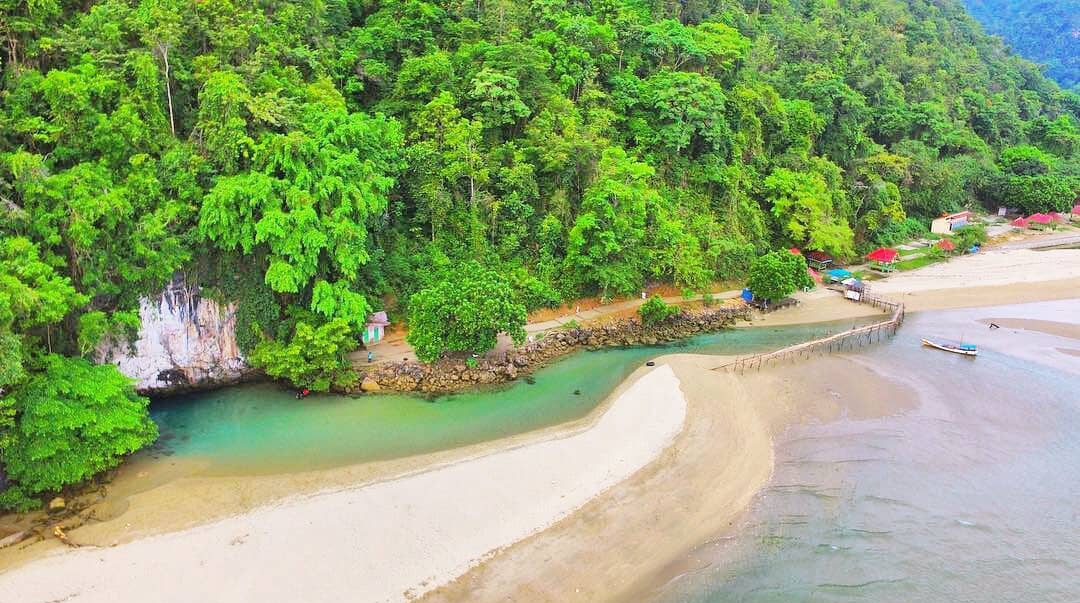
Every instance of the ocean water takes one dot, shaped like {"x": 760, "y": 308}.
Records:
{"x": 972, "y": 496}
{"x": 264, "y": 429}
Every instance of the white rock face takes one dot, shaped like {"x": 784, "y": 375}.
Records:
{"x": 185, "y": 342}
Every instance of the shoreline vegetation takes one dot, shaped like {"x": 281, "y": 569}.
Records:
{"x": 730, "y": 417}
{"x": 305, "y": 175}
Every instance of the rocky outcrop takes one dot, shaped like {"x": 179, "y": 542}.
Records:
{"x": 458, "y": 373}
{"x": 185, "y": 342}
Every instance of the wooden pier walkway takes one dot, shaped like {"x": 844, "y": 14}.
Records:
{"x": 832, "y": 343}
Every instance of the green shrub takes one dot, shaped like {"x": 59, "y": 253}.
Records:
{"x": 655, "y": 310}
{"x": 314, "y": 357}
{"x": 71, "y": 421}
{"x": 965, "y": 237}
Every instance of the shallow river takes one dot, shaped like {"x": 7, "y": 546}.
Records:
{"x": 972, "y": 496}
{"x": 264, "y": 429}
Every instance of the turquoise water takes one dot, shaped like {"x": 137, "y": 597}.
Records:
{"x": 265, "y": 429}
{"x": 973, "y": 496}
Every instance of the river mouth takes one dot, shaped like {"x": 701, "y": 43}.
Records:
{"x": 264, "y": 430}
{"x": 965, "y": 497}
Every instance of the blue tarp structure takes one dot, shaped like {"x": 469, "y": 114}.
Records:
{"x": 747, "y": 296}
{"x": 838, "y": 274}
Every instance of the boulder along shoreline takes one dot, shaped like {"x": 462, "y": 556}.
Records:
{"x": 454, "y": 374}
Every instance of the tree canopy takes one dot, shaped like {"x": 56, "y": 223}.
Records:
{"x": 1043, "y": 31}
{"x": 464, "y": 312}
{"x": 777, "y": 274}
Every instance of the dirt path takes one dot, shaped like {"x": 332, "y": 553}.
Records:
{"x": 395, "y": 349}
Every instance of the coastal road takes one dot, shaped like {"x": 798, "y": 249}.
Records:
{"x": 1040, "y": 241}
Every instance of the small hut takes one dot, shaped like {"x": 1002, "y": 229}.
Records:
{"x": 837, "y": 275}
{"x": 1019, "y": 223}
{"x": 883, "y": 260}
{"x": 854, "y": 289}
{"x": 949, "y": 222}
{"x": 819, "y": 260}
{"x": 1056, "y": 217}
{"x": 946, "y": 245}
{"x": 374, "y": 329}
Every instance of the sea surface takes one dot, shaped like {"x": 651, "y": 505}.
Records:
{"x": 973, "y": 496}
{"x": 264, "y": 429}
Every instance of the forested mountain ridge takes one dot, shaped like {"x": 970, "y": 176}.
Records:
{"x": 1045, "y": 31}
{"x": 313, "y": 160}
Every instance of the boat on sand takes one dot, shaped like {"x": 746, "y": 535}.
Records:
{"x": 967, "y": 349}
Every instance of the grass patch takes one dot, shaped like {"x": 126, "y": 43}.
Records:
{"x": 919, "y": 262}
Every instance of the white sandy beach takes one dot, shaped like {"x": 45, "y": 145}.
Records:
{"x": 387, "y": 541}
{"x": 992, "y": 277}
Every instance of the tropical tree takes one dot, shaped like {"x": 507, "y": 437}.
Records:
{"x": 778, "y": 274}
{"x": 464, "y": 312}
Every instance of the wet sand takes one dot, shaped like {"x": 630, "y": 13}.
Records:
{"x": 695, "y": 491}
{"x": 1049, "y": 327}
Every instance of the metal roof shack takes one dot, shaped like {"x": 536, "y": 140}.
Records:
{"x": 819, "y": 260}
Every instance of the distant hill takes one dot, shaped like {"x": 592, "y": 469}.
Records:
{"x": 1046, "y": 31}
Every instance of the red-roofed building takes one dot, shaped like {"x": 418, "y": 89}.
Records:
{"x": 795, "y": 251}
{"x": 946, "y": 245}
{"x": 883, "y": 259}
{"x": 1056, "y": 217}
{"x": 1039, "y": 220}
{"x": 1076, "y": 211}
{"x": 1020, "y": 223}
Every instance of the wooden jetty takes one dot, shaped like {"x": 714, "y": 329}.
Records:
{"x": 839, "y": 342}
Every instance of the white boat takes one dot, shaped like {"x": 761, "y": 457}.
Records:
{"x": 966, "y": 349}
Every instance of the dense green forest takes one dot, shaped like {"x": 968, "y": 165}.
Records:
{"x": 315, "y": 160}
{"x": 1045, "y": 31}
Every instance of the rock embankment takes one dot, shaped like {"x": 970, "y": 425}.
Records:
{"x": 456, "y": 373}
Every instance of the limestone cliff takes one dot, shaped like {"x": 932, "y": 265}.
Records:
{"x": 185, "y": 342}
